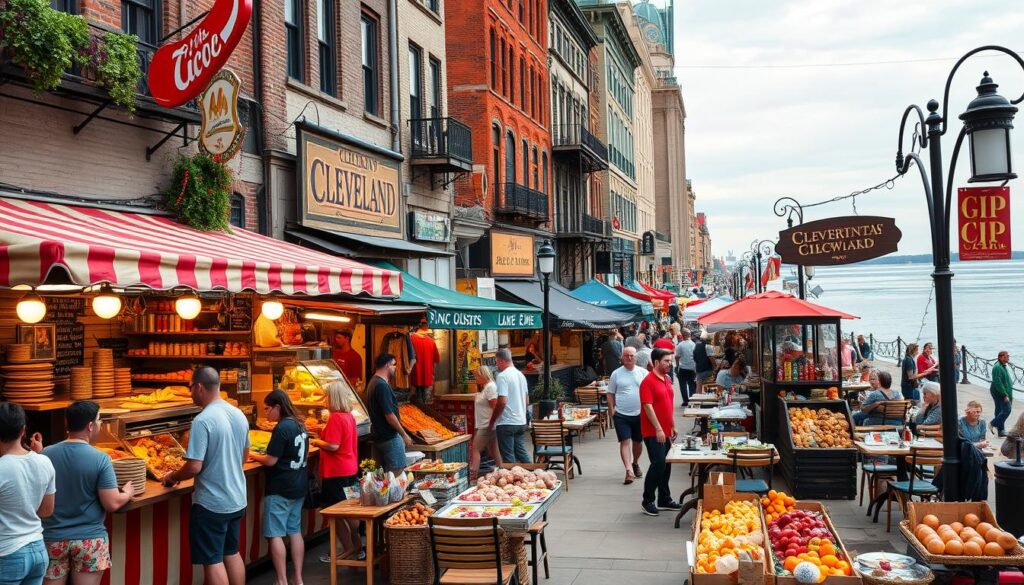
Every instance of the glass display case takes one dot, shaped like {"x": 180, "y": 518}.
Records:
{"x": 306, "y": 384}
{"x": 794, "y": 353}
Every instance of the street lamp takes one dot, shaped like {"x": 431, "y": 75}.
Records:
{"x": 763, "y": 248}
{"x": 788, "y": 207}
{"x": 987, "y": 124}
{"x": 546, "y": 262}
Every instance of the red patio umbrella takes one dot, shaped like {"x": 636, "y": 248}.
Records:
{"x": 768, "y": 305}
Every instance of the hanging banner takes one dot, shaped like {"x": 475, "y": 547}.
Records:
{"x": 771, "y": 271}
{"x": 512, "y": 255}
{"x": 838, "y": 240}
{"x": 984, "y": 228}
{"x": 181, "y": 70}
{"x": 221, "y": 132}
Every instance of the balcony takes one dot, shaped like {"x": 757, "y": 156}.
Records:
{"x": 444, "y": 145}
{"x": 575, "y": 145}
{"x": 584, "y": 227}
{"x": 519, "y": 201}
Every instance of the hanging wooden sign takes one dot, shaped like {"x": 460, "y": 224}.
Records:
{"x": 984, "y": 227}
{"x": 839, "y": 240}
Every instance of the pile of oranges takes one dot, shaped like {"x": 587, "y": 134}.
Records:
{"x": 723, "y": 533}
{"x": 971, "y": 537}
{"x": 776, "y": 504}
{"x": 415, "y": 420}
{"x": 827, "y": 558}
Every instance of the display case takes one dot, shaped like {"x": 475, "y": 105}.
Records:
{"x": 306, "y": 384}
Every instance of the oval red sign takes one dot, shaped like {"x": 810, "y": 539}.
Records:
{"x": 181, "y": 70}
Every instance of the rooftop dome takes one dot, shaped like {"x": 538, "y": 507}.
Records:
{"x": 651, "y": 22}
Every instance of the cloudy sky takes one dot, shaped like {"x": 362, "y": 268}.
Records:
{"x": 803, "y": 98}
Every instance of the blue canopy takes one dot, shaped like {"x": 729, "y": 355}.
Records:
{"x": 598, "y": 293}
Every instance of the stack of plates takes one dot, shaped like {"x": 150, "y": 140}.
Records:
{"x": 132, "y": 470}
{"x": 19, "y": 353}
{"x": 28, "y": 383}
{"x": 103, "y": 373}
{"x": 81, "y": 383}
{"x": 122, "y": 381}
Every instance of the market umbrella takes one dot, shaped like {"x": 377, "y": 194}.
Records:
{"x": 692, "y": 313}
{"x": 598, "y": 293}
{"x": 772, "y": 304}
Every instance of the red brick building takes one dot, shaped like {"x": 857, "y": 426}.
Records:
{"x": 498, "y": 85}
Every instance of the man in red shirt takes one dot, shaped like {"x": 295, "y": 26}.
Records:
{"x": 664, "y": 341}
{"x": 659, "y": 432}
{"x": 348, "y": 359}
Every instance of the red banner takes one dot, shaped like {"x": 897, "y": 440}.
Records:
{"x": 771, "y": 271}
{"x": 984, "y": 228}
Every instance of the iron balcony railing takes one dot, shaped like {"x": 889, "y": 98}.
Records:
{"x": 441, "y": 137}
{"x": 593, "y": 225}
{"x": 515, "y": 199}
{"x": 569, "y": 135}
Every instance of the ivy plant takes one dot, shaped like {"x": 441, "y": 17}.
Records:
{"x": 44, "y": 41}
{"x": 117, "y": 68}
{"x": 200, "y": 193}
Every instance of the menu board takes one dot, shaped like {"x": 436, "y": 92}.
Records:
{"x": 119, "y": 345}
{"x": 63, "y": 312}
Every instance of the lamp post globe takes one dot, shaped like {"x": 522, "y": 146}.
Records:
{"x": 987, "y": 122}
{"x": 546, "y": 258}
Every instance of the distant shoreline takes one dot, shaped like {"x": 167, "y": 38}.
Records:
{"x": 920, "y": 259}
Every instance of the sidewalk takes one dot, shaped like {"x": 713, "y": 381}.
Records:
{"x": 597, "y": 534}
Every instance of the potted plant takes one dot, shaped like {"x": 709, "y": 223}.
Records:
{"x": 547, "y": 402}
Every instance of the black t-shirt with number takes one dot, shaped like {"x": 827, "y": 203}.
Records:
{"x": 290, "y": 444}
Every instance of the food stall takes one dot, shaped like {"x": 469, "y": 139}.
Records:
{"x": 119, "y": 307}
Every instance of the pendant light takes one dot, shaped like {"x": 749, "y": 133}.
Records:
{"x": 31, "y": 308}
{"x": 188, "y": 306}
{"x": 272, "y": 309}
{"x": 106, "y": 305}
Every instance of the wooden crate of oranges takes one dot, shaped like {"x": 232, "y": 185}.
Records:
{"x": 960, "y": 533}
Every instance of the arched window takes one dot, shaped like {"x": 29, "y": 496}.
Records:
{"x": 510, "y": 157}
{"x": 536, "y": 184}
{"x": 526, "y": 163}
{"x": 237, "y": 215}
{"x": 496, "y": 156}
{"x": 544, "y": 167}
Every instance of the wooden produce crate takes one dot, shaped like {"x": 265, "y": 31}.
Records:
{"x": 716, "y": 496}
{"x": 451, "y": 405}
{"x": 444, "y": 421}
{"x": 817, "y": 473}
{"x": 947, "y": 513}
{"x": 854, "y": 579}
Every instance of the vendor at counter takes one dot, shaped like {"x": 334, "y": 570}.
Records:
{"x": 348, "y": 359}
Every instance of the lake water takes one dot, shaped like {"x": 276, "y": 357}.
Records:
{"x": 891, "y": 299}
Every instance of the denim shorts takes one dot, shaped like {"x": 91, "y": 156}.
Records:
{"x": 25, "y": 565}
{"x": 281, "y": 516}
{"x": 213, "y": 536}
{"x": 392, "y": 453}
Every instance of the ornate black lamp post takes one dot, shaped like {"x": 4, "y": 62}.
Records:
{"x": 761, "y": 249}
{"x": 788, "y": 207}
{"x": 546, "y": 262}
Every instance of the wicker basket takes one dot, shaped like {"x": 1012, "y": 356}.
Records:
{"x": 514, "y": 551}
{"x": 410, "y": 561}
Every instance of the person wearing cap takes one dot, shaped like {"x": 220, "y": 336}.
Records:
{"x": 348, "y": 359}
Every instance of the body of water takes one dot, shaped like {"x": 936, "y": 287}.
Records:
{"x": 891, "y": 300}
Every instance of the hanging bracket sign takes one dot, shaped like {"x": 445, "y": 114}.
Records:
{"x": 839, "y": 240}
{"x": 984, "y": 228}
{"x": 221, "y": 133}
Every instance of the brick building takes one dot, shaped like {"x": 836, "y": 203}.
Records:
{"x": 497, "y": 85}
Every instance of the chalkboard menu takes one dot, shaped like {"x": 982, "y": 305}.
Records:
{"x": 119, "y": 345}
{"x": 63, "y": 312}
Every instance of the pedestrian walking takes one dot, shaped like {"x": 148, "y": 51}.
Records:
{"x": 1002, "y": 393}
{"x": 703, "y": 363}
{"x": 911, "y": 375}
{"x": 624, "y": 407}
{"x": 339, "y": 463}
{"x": 611, "y": 352}
{"x": 926, "y": 361}
{"x": 659, "y": 431}
{"x": 483, "y": 406}
{"x": 286, "y": 486}
{"x": 76, "y": 539}
{"x": 687, "y": 366}
{"x": 864, "y": 348}
{"x": 508, "y": 419}
{"x": 218, "y": 446}
{"x": 389, "y": 437}
{"x": 27, "y": 486}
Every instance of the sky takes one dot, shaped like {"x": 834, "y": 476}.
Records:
{"x": 780, "y": 103}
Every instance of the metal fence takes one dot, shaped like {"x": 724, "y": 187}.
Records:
{"x": 972, "y": 366}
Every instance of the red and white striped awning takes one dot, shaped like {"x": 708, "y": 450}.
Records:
{"x": 129, "y": 249}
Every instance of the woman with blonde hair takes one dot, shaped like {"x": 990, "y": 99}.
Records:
{"x": 339, "y": 460}
{"x": 483, "y": 406}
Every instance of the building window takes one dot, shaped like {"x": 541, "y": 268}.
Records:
{"x": 526, "y": 163}
{"x": 434, "y": 92}
{"x": 415, "y": 90}
{"x": 536, "y": 185}
{"x": 511, "y": 74}
{"x": 325, "y": 41}
{"x": 544, "y": 165}
{"x": 522, "y": 83}
{"x": 293, "y": 34}
{"x": 68, "y": 6}
{"x": 142, "y": 19}
{"x": 510, "y": 157}
{"x": 496, "y": 154}
{"x": 434, "y": 6}
{"x": 237, "y": 215}
{"x": 371, "y": 64}
{"x": 504, "y": 68}
{"x": 494, "y": 61}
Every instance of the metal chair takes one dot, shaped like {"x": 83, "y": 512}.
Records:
{"x": 551, "y": 447}
{"x": 468, "y": 550}
{"x": 745, "y": 460}
{"x": 917, "y": 485}
{"x": 871, "y": 472}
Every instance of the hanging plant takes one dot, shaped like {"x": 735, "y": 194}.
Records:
{"x": 43, "y": 41}
{"x": 117, "y": 68}
{"x": 200, "y": 193}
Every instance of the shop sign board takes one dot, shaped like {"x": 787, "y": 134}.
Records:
{"x": 430, "y": 227}
{"x": 647, "y": 244}
{"x": 441, "y": 318}
{"x": 839, "y": 240}
{"x": 512, "y": 255}
{"x": 221, "y": 132}
{"x": 345, "y": 186}
{"x": 181, "y": 70}
{"x": 984, "y": 226}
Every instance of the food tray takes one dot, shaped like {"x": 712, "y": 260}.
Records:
{"x": 551, "y": 494}
{"x": 511, "y": 518}
{"x": 949, "y": 512}
{"x": 419, "y": 469}
{"x": 154, "y": 473}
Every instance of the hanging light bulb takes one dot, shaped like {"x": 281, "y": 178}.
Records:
{"x": 188, "y": 307}
{"x": 272, "y": 309}
{"x": 106, "y": 305}
{"x": 31, "y": 308}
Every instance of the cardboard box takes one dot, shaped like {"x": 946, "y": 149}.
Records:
{"x": 811, "y": 506}
{"x": 716, "y": 495}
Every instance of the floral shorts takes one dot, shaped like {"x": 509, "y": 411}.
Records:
{"x": 91, "y": 555}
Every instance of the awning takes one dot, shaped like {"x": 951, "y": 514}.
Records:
{"x": 656, "y": 302}
{"x": 657, "y": 292}
{"x": 448, "y": 309}
{"x": 598, "y": 293}
{"x": 567, "y": 312}
{"x": 772, "y": 304}
{"x": 362, "y": 245}
{"x": 373, "y": 308}
{"x": 131, "y": 249}
{"x": 692, "y": 313}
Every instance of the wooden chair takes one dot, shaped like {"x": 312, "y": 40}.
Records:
{"x": 931, "y": 431}
{"x": 892, "y": 412}
{"x": 551, "y": 447}
{"x": 870, "y": 472}
{"x": 904, "y": 491}
{"x": 712, "y": 388}
{"x": 591, "y": 398}
{"x": 746, "y": 460}
{"x": 468, "y": 550}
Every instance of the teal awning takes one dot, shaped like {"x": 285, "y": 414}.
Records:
{"x": 448, "y": 309}
{"x": 598, "y": 293}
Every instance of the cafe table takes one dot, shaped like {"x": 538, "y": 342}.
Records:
{"x": 703, "y": 414}
{"x": 371, "y": 516}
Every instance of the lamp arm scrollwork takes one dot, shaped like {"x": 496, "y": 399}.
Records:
{"x": 787, "y": 207}
{"x": 949, "y": 80}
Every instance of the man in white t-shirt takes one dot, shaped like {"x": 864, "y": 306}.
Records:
{"x": 687, "y": 366}
{"x": 624, "y": 406}
{"x": 509, "y": 417}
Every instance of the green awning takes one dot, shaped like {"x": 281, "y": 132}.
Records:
{"x": 448, "y": 309}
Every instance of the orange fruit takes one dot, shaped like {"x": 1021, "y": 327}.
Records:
{"x": 978, "y": 541}
{"x": 954, "y": 547}
{"x": 967, "y": 533}
{"x": 931, "y": 520}
{"x": 972, "y": 549}
{"x": 992, "y": 535}
{"x": 827, "y": 549}
{"x": 936, "y": 546}
{"x": 791, "y": 563}
{"x": 1007, "y": 541}
{"x": 993, "y": 549}
{"x": 844, "y": 567}
{"x": 971, "y": 520}
{"x": 948, "y": 535}
{"x": 924, "y": 533}
{"x": 957, "y": 527}
{"x": 829, "y": 560}
{"x": 983, "y": 528}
